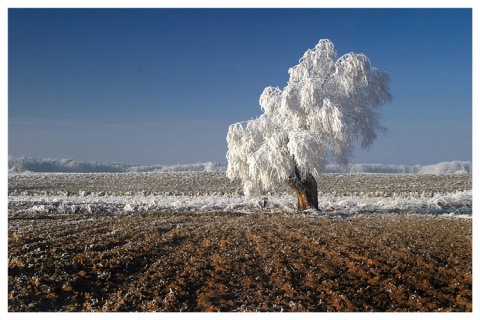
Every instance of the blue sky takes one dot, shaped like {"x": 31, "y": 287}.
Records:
{"x": 161, "y": 86}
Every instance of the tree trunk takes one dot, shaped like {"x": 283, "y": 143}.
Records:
{"x": 305, "y": 189}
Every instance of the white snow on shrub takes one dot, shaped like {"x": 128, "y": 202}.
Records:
{"x": 31, "y": 165}
{"x": 26, "y": 165}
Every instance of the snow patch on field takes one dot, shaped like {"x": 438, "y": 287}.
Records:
{"x": 454, "y": 204}
{"x": 340, "y": 194}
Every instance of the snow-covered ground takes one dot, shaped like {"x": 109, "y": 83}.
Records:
{"x": 340, "y": 194}
{"x": 454, "y": 204}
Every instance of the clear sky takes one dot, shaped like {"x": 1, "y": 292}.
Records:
{"x": 161, "y": 86}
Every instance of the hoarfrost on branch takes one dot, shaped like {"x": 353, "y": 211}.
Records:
{"x": 327, "y": 105}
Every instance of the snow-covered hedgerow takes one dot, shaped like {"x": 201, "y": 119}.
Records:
{"x": 28, "y": 164}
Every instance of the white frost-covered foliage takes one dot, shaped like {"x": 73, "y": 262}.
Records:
{"x": 25, "y": 165}
{"x": 447, "y": 167}
{"x": 452, "y": 167}
{"x": 326, "y": 106}
{"x": 31, "y": 165}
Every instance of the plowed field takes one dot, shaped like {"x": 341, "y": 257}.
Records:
{"x": 238, "y": 262}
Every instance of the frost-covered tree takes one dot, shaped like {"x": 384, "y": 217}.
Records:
{"x": 327, "y": 105}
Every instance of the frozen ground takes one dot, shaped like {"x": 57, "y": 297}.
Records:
{"x": 201, "y": 191}
{"x": 190, "y": 241}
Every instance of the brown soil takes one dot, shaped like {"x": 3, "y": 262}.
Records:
{"x": 238, "y": 262}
